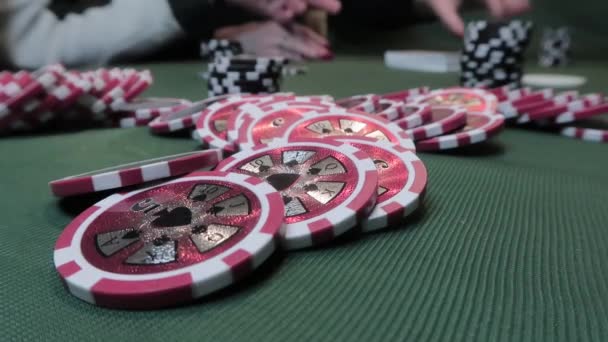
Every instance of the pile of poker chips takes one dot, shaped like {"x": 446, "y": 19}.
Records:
{"x": 555, "y": 47}
{"x": 571, "y": 114}
{"x": 330, "y": 166}
{"x": 492, "y": 54}
{"x": 54, "y": 97}
{"x": 176, "y": 241}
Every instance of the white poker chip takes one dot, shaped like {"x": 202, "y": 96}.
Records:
{"x": 554, "y": 80}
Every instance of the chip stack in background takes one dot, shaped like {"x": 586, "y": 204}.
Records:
{"x": 555, "y": 47}
{"x": 493, "y": 53}
{"x": 231, "y": 72}
{"x": 220, "y": 48}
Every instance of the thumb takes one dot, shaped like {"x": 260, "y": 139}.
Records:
{"x": 447, "y": 11}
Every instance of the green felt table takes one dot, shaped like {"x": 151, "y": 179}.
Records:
{"x": 510, "y": 245}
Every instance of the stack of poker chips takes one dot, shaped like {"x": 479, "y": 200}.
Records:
{"x": 555, "y": 47}
{"x": 55, "y": 97}
{"x": 232, "y": 72}
{"x": 220, "y": 48}
{"x": 492, "y": 54}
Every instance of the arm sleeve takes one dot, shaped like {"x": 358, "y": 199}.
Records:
{"x": 32, "y": 35}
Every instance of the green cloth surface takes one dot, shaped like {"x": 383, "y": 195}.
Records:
{"x": 510, "y": 245}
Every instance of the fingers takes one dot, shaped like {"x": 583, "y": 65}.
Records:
{"x": 305, "y": 48}
{"x": 331, "y": 6}
{"x": 280, "y": 10}
{"x": 270, "y": 37}
{"x": 447, "y": 11}
{"x": 307, "y": 33}
{"x": 496, "y": 8}
{"x": 507, "y": 8}
{"x": 516, "y": 7}
{"x": 297, "y": 6}
{"x": 284, "y": 53}
{"x": 285, "y": 10}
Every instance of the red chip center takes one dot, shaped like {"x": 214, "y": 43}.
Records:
{"x": 170, "y": 227}
{"x": 273, "y": 125}
{"x": 342, "y": 125}
{"x": 473, "y": 103}
{"x": 312, "y": 180}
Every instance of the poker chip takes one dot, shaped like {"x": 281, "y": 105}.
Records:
{"x": 143, "y": 82}
{"x": 171, "y": 243}
{"x": 478, "y": 128}
{"x": 216, "y": 48}
{"x": 345, "y": 122}
{"x": 282, "y": 109}
{"x": 365, "y": 103}
{"x": 511, "y": 109}
{"x": 152, "y": 107}
{"x": 173, "y": 121}
{"x": 587, "y": 134}
{"x": 512, "y": 95}
{"x": 261, "y": 124}
{"x": 402, "y": 180}
{"x": 25, "y": 87}
{"x": 131, "y": 122}
{"x": 405, "y": 95}
{"x": 135, "y": 173}
{"x": 117, "y": 84}
{"x": 562, "y": 105}
{"x": 539, "y": 106}
{"x": 585, "y": 113}
{"x": 443, "y": 120}
{"x": 68, "y": 91}
{"x": 554, "y": 80}
{"x": 389, "y": 109}
{"x": 535, "y": 106}
{"x": 327, "y": 187}
{"x": 414, "y": 115}
{"x": 473, "y": 100}
{"x": 212, "y": 125}
{"x": 248, "y": 60}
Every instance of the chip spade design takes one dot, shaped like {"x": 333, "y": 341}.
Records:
{"x": 164, "y": 230}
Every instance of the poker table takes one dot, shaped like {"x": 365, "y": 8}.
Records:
{"x": 509, "y": 245}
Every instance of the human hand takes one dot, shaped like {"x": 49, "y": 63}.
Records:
{"x": 447, "y": 11}
{"x": 285, "y": 10}
{"x": 270, "y": 39}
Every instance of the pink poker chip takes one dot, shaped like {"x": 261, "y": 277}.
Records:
{"x": 135, "y": 173}
{"x": 347, "y": 123}
{"x": 443, "y": 120}
{"x": 328, "y": 186}
{"x": 171, "y": 243}
{"x": 402, "y": 180}
{"x": 263, "y": 123}
{"x": 478, "y": 128}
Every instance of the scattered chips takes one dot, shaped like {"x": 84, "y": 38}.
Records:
{"x": 324, "y": 166}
